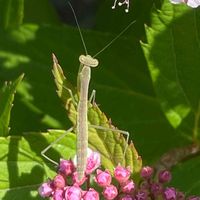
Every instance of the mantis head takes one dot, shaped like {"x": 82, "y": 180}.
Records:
{"x": 88, "y": 61}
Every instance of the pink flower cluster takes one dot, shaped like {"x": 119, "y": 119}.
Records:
{"x": 153, "y": 186}
{"x": 66, "y": 186}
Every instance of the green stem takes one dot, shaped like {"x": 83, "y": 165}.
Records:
{"x": 196, "y": 124}
{"x": 13, "y": 13}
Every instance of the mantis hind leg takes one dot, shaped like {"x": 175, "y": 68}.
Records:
{"x": 56, "y": 141}
{"x": 70, "y": 93}
{"x": 126, "y": 133}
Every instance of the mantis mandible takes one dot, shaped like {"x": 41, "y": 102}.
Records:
{"x": 86, "y": 63}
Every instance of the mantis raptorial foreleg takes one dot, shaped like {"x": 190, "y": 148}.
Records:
{"x": 92, "y": 97}
{"x": 70, "y": 93}
{"x": 56, "y": 141}
{"x": 126, "y": 133}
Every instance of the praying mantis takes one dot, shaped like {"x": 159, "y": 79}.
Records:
{"x": 84, "y": 75}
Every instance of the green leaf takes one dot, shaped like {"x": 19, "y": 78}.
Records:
{"x": 23, "y": 168}
{"x": 63, "y": 86}
{"x": 15, "y": 12}
{"x": 7, "y": 94}
{"x": 12, "y": 13}
{"x": 46, "y": 12}
{"x": 172, "y": 53}
{"x": 109, "y": 144}
{"x": 189, "y": 170}
{"x": 123, "y": 86}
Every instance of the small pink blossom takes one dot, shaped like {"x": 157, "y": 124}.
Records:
{"x": 128, "y": 186}
{"x": 59, "y": 181}
{"x": 164, "y": 176}
{"x": 58, "y": 195}
{"x": 170, "y": 194}
{"x": 110, "y": 192}
{"x": 122, "y": 174}
{"x": 127, "y": 197}
{"x": 181, "y": 196}
{"x": 45, "y": 190}
{"x": 156, "y": 189}
{"x": 91, "y": 194}
{"x": 146, "y": 172}
{"x": 76, "y": 180}
{"x": 103, "y": 178}
{"x": 141, "y": 195}
{"x": 73, "y": 193}
{"x": 66, "y": 167}
{"x": 93, "y": 162}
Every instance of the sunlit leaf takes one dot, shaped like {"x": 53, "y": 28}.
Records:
{"x": 7, "y": 94}
{"x": 22, "y": 167}
{"x": 174, "y": 64}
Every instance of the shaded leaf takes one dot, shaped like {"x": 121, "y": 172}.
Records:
{"x": 46, "y": 12}
{"x": 7, "y": 94}
{"x": 189, "y": 170}
{"x": 174, "y": 64}
{"x": 172, "y": 52}
{"x": 12, "y": 13}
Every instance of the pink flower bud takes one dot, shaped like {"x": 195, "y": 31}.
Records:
{"x": 58, "y": 195}
{"x": 59, "y": 181}
{"x": 127, "y": 197}
{"x": 156, "y": 189}
{"x": 146, "y": 172}
{"x": 76, "y": 180}
{"x": 103, "y": 178}
{"x": 122, "y": 174}
{"x": 180, "y": 196}
{"x": 91, "y": 194}
{"x": 170, "y": 194}
{"x": 110, "y": 192}
{"x": 141, "y": 195}
{"x": 66, "y": 167}
{"x": 73, "y": 193}
{"x": 164, "y": 176}
{"x": 45, "y": 190}
{"x": 128, "y": 186}
{"x": 93, "y": 162}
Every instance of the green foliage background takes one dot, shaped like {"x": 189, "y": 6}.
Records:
{"x": 147, "y": 82}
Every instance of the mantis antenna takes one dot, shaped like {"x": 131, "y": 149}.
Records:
{"x": 79, "y": 29}
{"x": 121, "y": 33}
